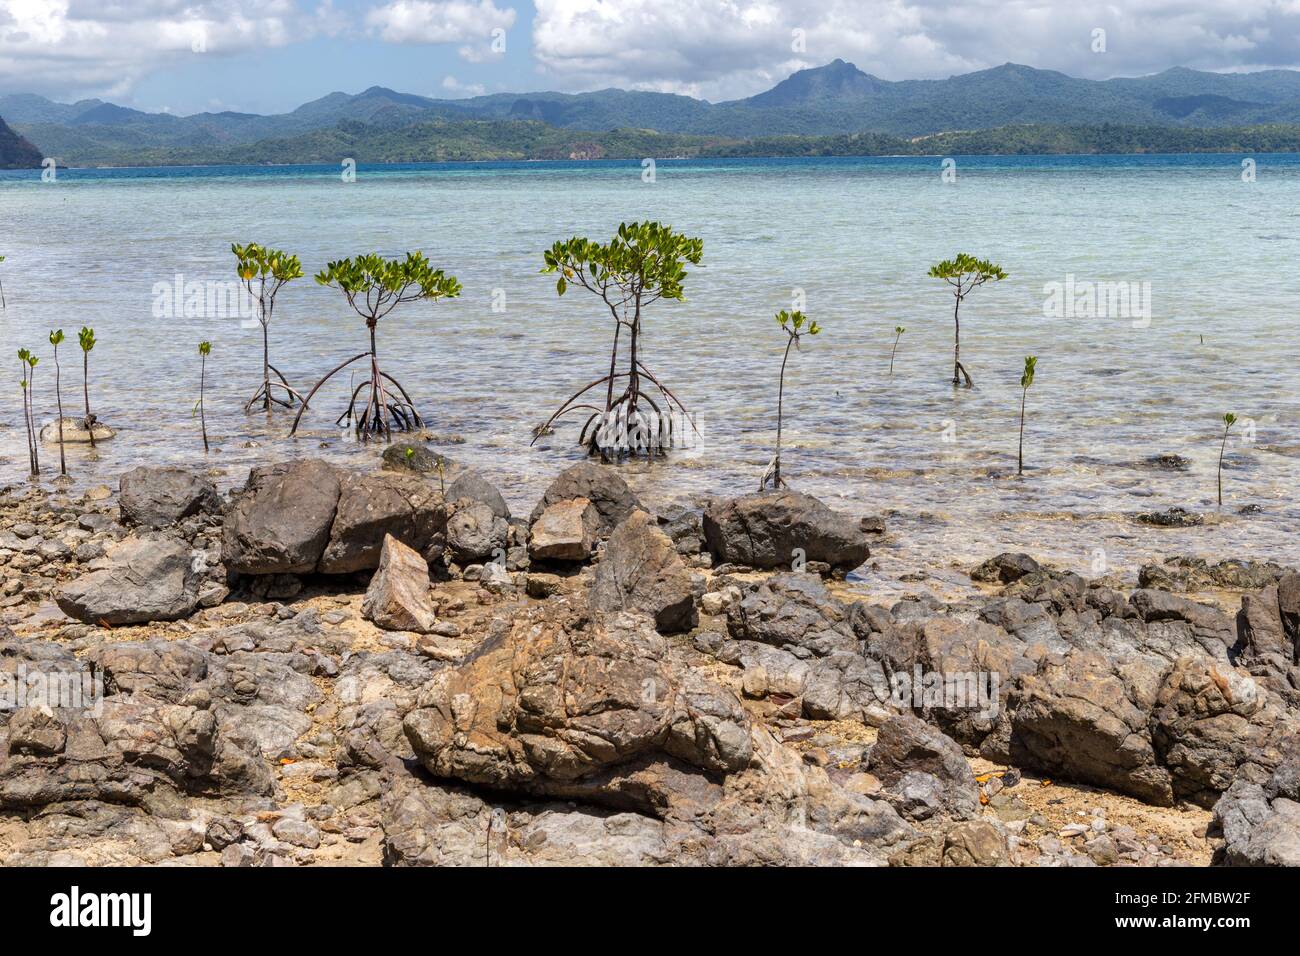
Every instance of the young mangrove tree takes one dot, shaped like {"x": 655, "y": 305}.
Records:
{"x": 374, "y": 286}
{"x": 964, "y": 274}
{"x": 265, "y": 272}
{"x": 643, "y": 263}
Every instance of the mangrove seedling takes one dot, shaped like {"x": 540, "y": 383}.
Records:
{"x": 1026, "y": 379}
{"x": 964, "y": 274}
{"x": 792, "y": 323}
{"x": 374, "y": 286}
{"x": 2, "y": 290}
{"x": 56, "y": 339}
{"x": 1229, "y": 420}
{"x": 28, "y": 362}
{"x": 205, "y": 349}
{"x": 642, "y": 263}
{"x": 86, "y": 338}
{"x": 898, "y": 334}
{"x": 265, "y": 272}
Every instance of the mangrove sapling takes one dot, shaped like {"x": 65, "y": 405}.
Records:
{"x": 898, "y": 334}
{"x": 1026, "y": 379}
{"x": 964, "y": 274}
{"x": 205, "y": 349}
{"x": 56, "y": 339}
{"x": 642, "y": 263}
{"x": 28, "y": 362}
{"x": 86, "y": 338}
{"x": 374, "y": 286}
{"x": 793, "y": 325}
{"x": 270, "y": 269}
{"x": 1229, "y": 420}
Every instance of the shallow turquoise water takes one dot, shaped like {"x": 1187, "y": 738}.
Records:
{"x": 856, "y": 235}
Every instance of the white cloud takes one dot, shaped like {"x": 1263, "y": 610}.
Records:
{"x": 722, "y": 49}
{"x": 453, "y": 85}
{"x": 103, "y": 47}
{"x": 438, "y": 21}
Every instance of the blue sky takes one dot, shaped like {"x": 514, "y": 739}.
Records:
{"x": 272, "y": 55}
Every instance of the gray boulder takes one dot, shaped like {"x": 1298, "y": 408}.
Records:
{"x": 370, "y": 507}
{"x": 475, "y": 533}
{"x": 281, "y": 522}
{"x": 1260, "y": 823}
{"x": 769, "y": 530}
{"x": 922, "y": 770}
{"x": 475, "y": 487}
{"x": 641, "y": 571}
{"x": 599, "y": 484}
{"x": 158, "y": 497}
{"x": 147, "y": 579}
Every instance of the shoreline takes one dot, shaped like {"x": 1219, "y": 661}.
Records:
{"x": 299, "y": 671}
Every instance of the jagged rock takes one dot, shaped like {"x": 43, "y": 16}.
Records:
{"x": 922, "y": 770}
{"x": 475, "y": 487}
{"x": 976, "y": 843}
{"x": 475, "y": 533}
{"x": 307, "y": 516}
{"x": 281, "y": 522}
{"x": 770, "y": 530}
{"x": 1260, "y": 822}
{"x": 1005, "y": 568}
{"x": 158, "y": 497}
{"x": 371, "y": 507}
{"x": 564, "y": 531}
{"x": 398, "y": 597}
{"x": 641, "y": 571}
{"x": 792, "y": 609}
{"x": 565, "y": 706}
{"x": 599, "y": 484}
{"x": 147, "y": 579}
{"x": 1208, "y": 724}
{"x": 1185, "y": 573}
{"x": 1082, "y": 718}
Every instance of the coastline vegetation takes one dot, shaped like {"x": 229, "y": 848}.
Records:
{"x": 271, "y": 269}
{"x": 964, "y": 275}
{"x": 28, "y": 363}
{"x": 56, "y": 339}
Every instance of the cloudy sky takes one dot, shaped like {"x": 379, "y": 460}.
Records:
{"x": 271, "y": 55}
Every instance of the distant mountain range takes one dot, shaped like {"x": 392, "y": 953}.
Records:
{"x": 828, "y": 101}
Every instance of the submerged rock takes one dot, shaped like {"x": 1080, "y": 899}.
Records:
{"x": 76, "y": 432}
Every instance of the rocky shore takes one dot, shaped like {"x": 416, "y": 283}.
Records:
{"x": 366, "y": 667}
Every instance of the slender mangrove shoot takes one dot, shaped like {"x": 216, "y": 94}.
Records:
{"x": 898, "y": 334}
{"x": 264, "y": 272}
{"x": 1026, "y": 379}
{"x": 56, "y": 339}
{"x": 205, "y": 349}
{"x": 792, "y": 323}
{"x": 1229, "y": 420}
{"x": 86, "y": 338}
